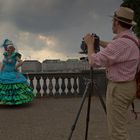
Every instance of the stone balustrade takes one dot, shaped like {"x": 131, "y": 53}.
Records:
{"x": 66, "y": 84}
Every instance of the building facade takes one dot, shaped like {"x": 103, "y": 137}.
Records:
{"x": 70, "y": 65}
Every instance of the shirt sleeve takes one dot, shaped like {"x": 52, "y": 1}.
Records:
{"x": 110, "y": 55}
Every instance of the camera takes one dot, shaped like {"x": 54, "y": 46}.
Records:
{"x": 95, "y": 45}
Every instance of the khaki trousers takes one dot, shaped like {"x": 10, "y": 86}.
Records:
{"x": 118, "y": 98}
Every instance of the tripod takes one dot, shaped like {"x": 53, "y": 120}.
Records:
{"x": 88, "y": 89}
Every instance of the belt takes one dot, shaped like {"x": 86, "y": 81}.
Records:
{"x": 122, "y": 81}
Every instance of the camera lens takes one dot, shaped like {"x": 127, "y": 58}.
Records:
{"x": 84, "y": 47}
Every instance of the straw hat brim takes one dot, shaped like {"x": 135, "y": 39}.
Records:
{"x": 133, "y": 23}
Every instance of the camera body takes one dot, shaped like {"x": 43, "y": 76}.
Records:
{"x": 95, "y": 45}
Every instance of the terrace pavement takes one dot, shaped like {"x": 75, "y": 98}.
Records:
{"x": 52, "y": 119}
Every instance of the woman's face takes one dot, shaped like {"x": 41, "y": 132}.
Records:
{"x": 10, "y": 49}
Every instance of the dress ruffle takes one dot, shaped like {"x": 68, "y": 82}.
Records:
{"x": 15, "y": 94}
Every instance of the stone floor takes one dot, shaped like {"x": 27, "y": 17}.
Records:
{"x": 52, "y": 119}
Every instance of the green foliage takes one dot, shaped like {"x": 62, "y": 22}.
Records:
{"x": 135, "y": 5}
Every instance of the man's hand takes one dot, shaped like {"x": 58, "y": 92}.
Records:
{"x": 89, "y": 40}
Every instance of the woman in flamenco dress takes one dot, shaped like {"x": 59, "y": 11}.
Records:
{"x": 14, "y": 88}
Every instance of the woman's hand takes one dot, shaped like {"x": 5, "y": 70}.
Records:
{"x": 19, "y": 64}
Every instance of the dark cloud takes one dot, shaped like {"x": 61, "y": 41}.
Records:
{"x": 51, "y": 15}
{"x": 66, "y": 20}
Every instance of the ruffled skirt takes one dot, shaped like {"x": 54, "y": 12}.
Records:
{"x": 14, "y": 89}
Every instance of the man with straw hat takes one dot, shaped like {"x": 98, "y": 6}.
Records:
{"x": 121, "y": 58}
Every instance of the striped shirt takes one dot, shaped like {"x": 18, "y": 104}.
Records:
{"x": 121, "y": 58}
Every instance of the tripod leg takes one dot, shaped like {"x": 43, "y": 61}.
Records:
{"x": 101, "y": 99}
{"x": 88, "y": 112}
{"x": 79, "y": 111}
{"x": 89, "y": 103}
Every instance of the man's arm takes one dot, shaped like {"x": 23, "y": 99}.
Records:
{"x": 103, "y": 43}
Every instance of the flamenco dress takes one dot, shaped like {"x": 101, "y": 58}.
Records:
{"x": 14, "y": 88}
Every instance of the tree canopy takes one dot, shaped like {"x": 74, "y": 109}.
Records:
{"x": 135, "y": 5}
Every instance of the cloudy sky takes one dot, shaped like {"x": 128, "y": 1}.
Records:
{"x": 53, "y": 29}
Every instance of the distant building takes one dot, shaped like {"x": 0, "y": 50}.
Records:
{"x": 70, "y": 65}
{"x": 31, "y": 66}
{"x": 76, "y": 65}
{"x": 53, "y": 65}
{"x": 51, "y": 60}
{"x": 56, "y": 65}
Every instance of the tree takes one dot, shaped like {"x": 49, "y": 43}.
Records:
{"x": 135, "y": 5}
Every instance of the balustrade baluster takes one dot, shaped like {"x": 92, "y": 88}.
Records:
{"x": 50, "y": 86}
{"x": 63, "y": 87}
{"x": 69, "y": 87}
{"x": 44, "y": 86}
{"x": 75, "y": 86}
{"x": 57, "y": 87}
{"x": 31, "y": 78}
{"x": 38, "y": 86}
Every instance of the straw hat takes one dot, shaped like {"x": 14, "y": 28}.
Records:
{"x": 125, "y": 15}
